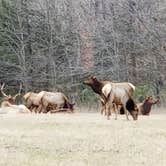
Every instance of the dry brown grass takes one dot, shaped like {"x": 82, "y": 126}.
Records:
{"x": 82, "y": 139}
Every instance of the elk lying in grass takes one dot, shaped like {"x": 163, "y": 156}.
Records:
{"x": 48, "y": 102}
{"x": 10, "y": 101}
{"x": 146, "y": 105}
{"x": 57, "y": 100}
{"x": 33, "y": 101}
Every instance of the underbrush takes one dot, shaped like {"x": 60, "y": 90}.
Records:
{"x": 90, "y": 99}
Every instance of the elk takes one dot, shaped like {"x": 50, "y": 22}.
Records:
{"x": 120, "y": 96}
{"x": 47, "y": 102}
{"x": 113, "y": 95}
{"x": 56, "y": 102}
{"x": 33, "y": 101}
{"x": 9, "y": 100}
{"x": 146, "y": 105}
{"x": 97, "y": 87}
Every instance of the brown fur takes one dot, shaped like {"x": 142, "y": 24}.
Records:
{"x": 56, "y": 101}
{"x": 97, "y": 86}
{"x": 20, "y": 108}
{"x": 5, "y": 104}
{"x": 121, "y": 95}
{"x": 33, "y": 101}
{"x": 47, "y": 101}
{"x": 8, "y": 99}
{"x": 146, "y": 105}
{"x": 111, "y": 100}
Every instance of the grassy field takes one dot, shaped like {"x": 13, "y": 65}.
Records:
{"x": 82, "y": 139}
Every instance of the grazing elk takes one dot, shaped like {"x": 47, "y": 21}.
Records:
{"x": 146, "y": 105}
{"x": 119, "y": 95}
{"x": 113, "y": 95}
{"x": 47, "y": 102}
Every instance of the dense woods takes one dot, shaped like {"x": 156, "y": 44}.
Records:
{"x": 54, "y": 44}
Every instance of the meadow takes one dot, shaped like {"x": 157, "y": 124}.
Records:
{"x": 82, "y": 139}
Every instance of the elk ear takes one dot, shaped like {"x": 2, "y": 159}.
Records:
{"x": 93, "y": 77}
{"x": 73, "y": 104}
{"x": 151, "y": 97}
{"x": 158, "y": 97}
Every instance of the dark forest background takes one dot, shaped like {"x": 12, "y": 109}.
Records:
{"x": 55, "y": 44}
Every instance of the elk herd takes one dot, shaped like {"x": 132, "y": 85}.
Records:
{"x": 114, "y": 97}
{"x": 44, "y": 102}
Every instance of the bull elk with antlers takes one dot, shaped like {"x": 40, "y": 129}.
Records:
{"x": 8, "y": 100}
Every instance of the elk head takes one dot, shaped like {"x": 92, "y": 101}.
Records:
{"x": 90, "y": 81}
{"x": 150, "y": 100}
{"x": 9, "y": 98}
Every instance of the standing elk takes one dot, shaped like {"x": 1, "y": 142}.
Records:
{"x": 120, "y": 96}
{"x": 113, "y": 95}
{"x": 97, "y": 87}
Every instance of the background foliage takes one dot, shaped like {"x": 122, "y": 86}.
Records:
{"x": 55, "y": 44}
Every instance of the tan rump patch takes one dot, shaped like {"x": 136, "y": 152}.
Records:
{"x": 106, "y": 89}
{"x": 132, "y": 86}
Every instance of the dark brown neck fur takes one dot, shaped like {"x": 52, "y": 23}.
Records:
{"x": 146, "y": 107}
{"x": 97, "y": 87}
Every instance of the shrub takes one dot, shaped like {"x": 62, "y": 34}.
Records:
{"x": 88, "y": 96}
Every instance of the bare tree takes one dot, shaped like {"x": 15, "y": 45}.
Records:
{"x": 54, "y": 44}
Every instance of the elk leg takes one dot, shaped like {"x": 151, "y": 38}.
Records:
{"x": 105, "y": 112}
{"x": 69, "y": 111}
{"x": 103, "y": 109}
{"x": 115, "y": 110}
{"x": 126, "y": 112}
{"x": 45, "y": 110}
{"x": 124, "y": 107}
{"x": 34, "y": 109}
{"x": 39, "y": 109}
{"x": 30, "y": 108}
{"x": 53, "y": 111}
{"x": 108, "y": 110}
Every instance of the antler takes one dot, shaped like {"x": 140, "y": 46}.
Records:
{"x": 3, "y": 93}
{"x": 19, "y": 92}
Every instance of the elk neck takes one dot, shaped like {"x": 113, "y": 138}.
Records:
{"x": 97, "y": 87}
